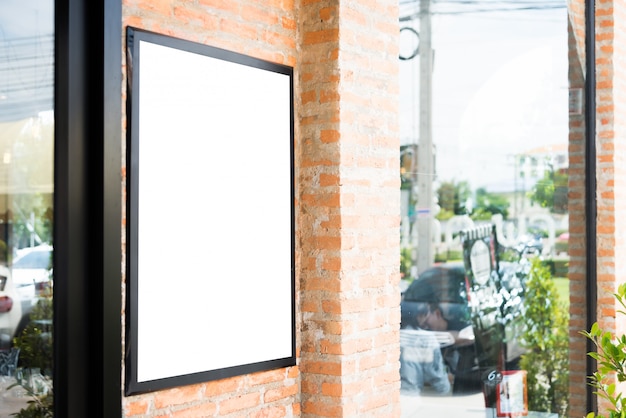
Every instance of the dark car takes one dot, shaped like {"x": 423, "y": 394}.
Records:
{"x": 444, "y": 290}
{"x": 529, "y": 244}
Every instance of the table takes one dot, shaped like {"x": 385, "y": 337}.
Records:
{"x": 8, "y": 407}
{"x": 11, "y": 401}
{"x": 10, "y": 404}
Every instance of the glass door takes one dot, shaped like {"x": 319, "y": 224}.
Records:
{"x": 492, "y": 159}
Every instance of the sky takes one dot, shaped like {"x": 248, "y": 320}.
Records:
{"x": 26, "y": 58}
{"x": 499, "y": 80}
{"x": 499, "y": 88}
{"x": 26, "y": 18}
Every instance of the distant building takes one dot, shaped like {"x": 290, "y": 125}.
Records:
{"x": 530, "y": 167}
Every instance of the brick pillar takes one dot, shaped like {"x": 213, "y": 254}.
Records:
{"x": 576, "y": 206}
{"x": 347, "y": 148}
{"x": 611, "y": 162}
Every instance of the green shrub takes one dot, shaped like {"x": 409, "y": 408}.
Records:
{"x": 406, "y": 261}
{"x": 450, "y": 255}
{"x": 561, "y": 247}
{"x": 557, "y": 267}
{"x": 535, "y": 230}
{"x": 444, "y": 214}
{"x": 36, "y": 352}
{"x": 35, "y": 341}
{"x": 611, "y": 358}
{"x": 38, "y": 406}
{"x": 546, "y": 338}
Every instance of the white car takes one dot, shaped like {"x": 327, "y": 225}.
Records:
{"x": 10, "y": 308}
{"x": 31, "y": 271}
{"x": 32, "y": 266}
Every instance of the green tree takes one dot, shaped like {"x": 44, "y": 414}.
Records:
{"x": 546, "y": 338}
{"x": 408, "y": 166}
{"x": 488, "y": 204}
{"x": 31, "y": 214}
{"x": 551, "y": 191}
{"x": 452, "y": 197}
{"x": 406, "y": 261}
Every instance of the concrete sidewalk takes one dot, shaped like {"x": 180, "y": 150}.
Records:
{"x": 459, "y": 406}
{"x": 430, "y": 405}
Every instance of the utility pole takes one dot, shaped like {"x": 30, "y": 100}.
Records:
{"x": 425, "y": 166}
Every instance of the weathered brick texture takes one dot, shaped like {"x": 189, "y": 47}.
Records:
{"x": 347, "y": 197}
{"x": 349, "y": 208}
{"x": 610, "y": 137}
{"x": 576, "y": 205}
{"x": 611, "y": 170}
{"x": 347, "y": 190}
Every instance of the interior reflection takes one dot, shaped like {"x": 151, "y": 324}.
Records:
{"x": 26, "y": 207}
{"x": 485, "y": 124}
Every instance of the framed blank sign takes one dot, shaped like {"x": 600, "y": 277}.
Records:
{"x": 210, "y": 248}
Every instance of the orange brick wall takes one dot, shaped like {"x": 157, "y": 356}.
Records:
{"x": 610, "y": 96}
{"x": 265, "y": 30}
{"x": 611, "y": 170}
{"x": 345, "y": 57}
{"x": 347, "y": 189}
{"x": 349, "y": 209}
{"x": 576, "y": 205}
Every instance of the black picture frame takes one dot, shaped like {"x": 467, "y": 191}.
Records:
{"x": 210, "y": 215}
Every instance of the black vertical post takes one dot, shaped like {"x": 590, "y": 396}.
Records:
{"x": 109, "y": 156}
{"x": 71, "y": 339}
{"x": 87, "y": 202}
{"x": 590, "y": 186}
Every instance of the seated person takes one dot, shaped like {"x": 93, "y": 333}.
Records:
{"x": 421, "y": 363}
{"x": 431, "y": 317}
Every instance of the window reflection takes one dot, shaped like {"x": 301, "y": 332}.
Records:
{"x": 485, "y": 141}
{"x": 26, "y": 206}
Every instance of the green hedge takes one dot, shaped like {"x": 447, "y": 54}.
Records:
{"x": 558, "y": 268}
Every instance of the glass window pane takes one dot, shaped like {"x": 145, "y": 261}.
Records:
{"x": 26, "y": 205}
{"x": 489, "y": 108}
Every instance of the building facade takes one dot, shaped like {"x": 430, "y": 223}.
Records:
{"x": 347, "y": 201}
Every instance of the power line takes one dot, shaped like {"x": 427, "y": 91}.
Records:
{"x": 26, "y": 76}
{"x": 416, "y": 15}
{"x": 484, "y": 2}
{"x": 477, "y": 7}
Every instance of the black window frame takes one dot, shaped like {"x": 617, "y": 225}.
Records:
{"x": 88, "y": 211}
{"x": 590, "y": 190}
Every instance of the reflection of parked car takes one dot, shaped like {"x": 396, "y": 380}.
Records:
{"x": 10, "y": 309}
{"x": 561, "y": 244}
{"x": 443, "y": 290}
{"x": 31, "y": 269}
{"x": 529, "y": 244}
